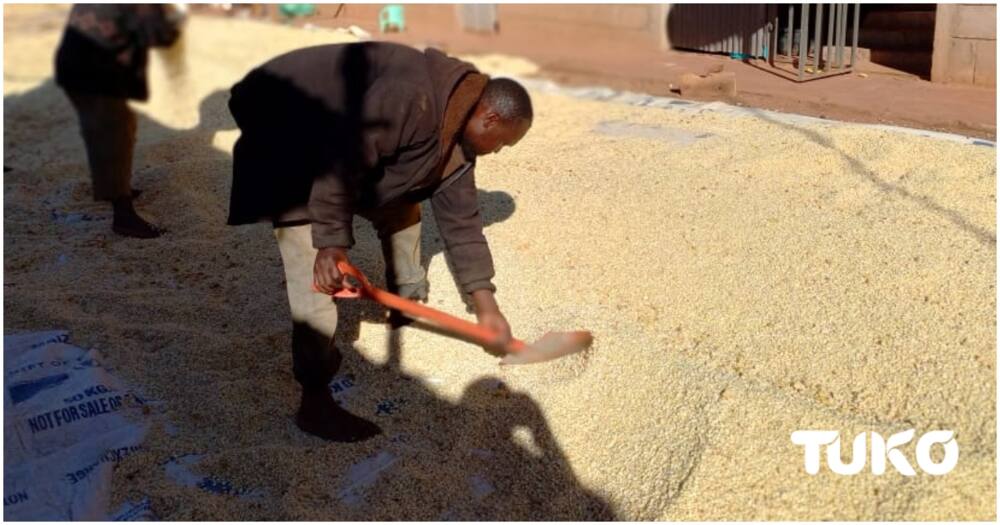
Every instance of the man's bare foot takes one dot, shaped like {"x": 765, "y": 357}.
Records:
{"x": 134, "y": 226}
{"x": 320, "y": 416}
{"x": 128, "y": 223}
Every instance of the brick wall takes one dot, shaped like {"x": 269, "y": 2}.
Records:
{"x": 965, "y": 44}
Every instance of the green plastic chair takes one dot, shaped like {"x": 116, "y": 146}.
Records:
{"x": 294, "y": 10}
{"x": 391, "y": 16}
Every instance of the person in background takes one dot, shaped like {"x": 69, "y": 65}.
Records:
{"x": 101, "y": 64}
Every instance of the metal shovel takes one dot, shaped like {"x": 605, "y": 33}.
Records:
{"x": 552, "y": 345}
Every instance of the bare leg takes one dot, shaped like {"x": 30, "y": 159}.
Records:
{"x": 129, "y": 223}
{"x": 108, "y": 127}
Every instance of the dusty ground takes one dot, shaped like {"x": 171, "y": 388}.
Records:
{"x": 744, "y": 278}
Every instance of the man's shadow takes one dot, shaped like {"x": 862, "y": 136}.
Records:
{"x": 491, "y": 455}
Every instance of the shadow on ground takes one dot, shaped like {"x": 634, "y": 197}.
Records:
{"x": 983, "y": 235}
{"x": 179, "y": 310}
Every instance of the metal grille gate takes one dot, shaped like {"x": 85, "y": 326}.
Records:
{"x": 811, "y": 43}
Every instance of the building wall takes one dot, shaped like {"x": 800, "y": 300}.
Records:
{"x": 717, "y": 28}
{"x": 618, "y": 23}
{"x": 608, "y": 24}
{"x": 965, "y": 44}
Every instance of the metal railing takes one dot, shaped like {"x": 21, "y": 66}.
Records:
{"x": 795, "y": 59}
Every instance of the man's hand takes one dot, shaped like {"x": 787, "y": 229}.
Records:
{"x": 489, "y": 316}
{"x": 496, "y": 322}
{"x": 326, "y": 276}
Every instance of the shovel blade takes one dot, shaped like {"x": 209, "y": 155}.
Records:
{"x": 552, "y": 345}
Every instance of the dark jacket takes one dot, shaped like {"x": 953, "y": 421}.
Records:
{"x": 332, "y": 131}
{"x": 105, "y": 48}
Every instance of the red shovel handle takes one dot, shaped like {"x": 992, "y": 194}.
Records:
{"x": 451, "y": 323}
{"x": 352, "y": 292}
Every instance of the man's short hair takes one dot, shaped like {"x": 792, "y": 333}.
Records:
{"x": 509, "y": 99}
